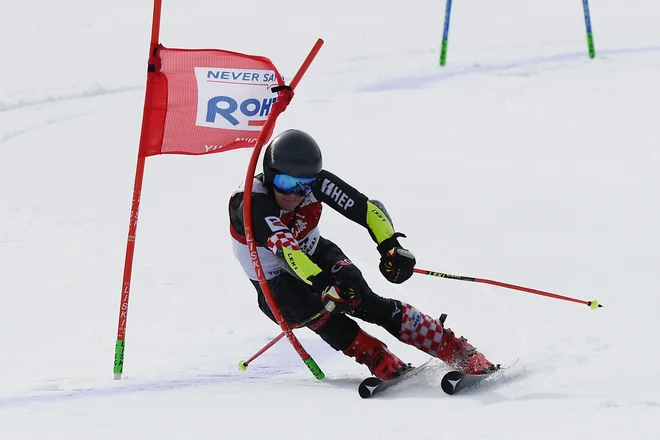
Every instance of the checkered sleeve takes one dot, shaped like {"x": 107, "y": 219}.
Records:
{"x": 288, "y": 253}
{"x": 282, "y": 238}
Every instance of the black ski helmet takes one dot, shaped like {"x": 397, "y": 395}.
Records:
{"x": 292, "y": 152}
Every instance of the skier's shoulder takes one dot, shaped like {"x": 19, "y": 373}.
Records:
{"x": 262, "y": 201}
{"x": 258, "y": 186}
{"x": 327, "y": 183}
{"x": 333, "y": 190}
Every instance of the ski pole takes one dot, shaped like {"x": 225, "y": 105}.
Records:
{"x": 243, "y": 365}
{"x": 592, "y": 304}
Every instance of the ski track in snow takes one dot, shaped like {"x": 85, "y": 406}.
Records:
{"x": 128, "y": 386}
{"x": 93, "y": 91}
{"x": 421, "y": 81}
{"x": 25, "y": 130}
{"x": 400, "y": 83}
{"x": 280, "y": 361}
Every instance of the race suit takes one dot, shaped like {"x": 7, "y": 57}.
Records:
{"x": 291, "y": 250}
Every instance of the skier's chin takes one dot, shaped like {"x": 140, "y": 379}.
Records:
{"x": 288, "y": 202}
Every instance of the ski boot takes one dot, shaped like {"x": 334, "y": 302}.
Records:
{"x": 430, "y": 335}
{"x": 461, "y": 355}
{"x": 373, "y": 353}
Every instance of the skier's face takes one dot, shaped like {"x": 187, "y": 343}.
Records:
{"x": 287, "y": 202}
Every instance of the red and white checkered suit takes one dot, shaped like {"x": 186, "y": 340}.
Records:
{"x": 420, "y": 330}
{"x": 282, "y": 238}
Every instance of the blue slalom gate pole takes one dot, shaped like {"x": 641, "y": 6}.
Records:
{"x": 590, "y": 35}
{"x": 445, "y": 34}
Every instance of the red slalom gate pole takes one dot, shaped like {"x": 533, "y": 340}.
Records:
{"x": 135, "y": 204}
{"x": 247, "y": 219}
{"x": 592, "y": 304}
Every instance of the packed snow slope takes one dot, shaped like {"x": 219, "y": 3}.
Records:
{"x": 521, "y": 161}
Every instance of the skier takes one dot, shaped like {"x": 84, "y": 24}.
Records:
{"x": 308, "y": 273}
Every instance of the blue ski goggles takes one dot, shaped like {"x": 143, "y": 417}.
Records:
{"x": 286, "y": 184}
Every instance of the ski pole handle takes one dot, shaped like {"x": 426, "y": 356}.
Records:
{"x": 592, "y": 304}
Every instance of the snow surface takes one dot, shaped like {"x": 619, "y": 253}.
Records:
{"x": 522, "y": 161}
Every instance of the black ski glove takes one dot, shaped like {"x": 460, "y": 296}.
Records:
{"x": 396, "y": 262}
{"x": 340, "y": 286}
{"x": 339, "y": 298}
{"x": 348, "y": 275}
{"x": 342, "y": 271}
